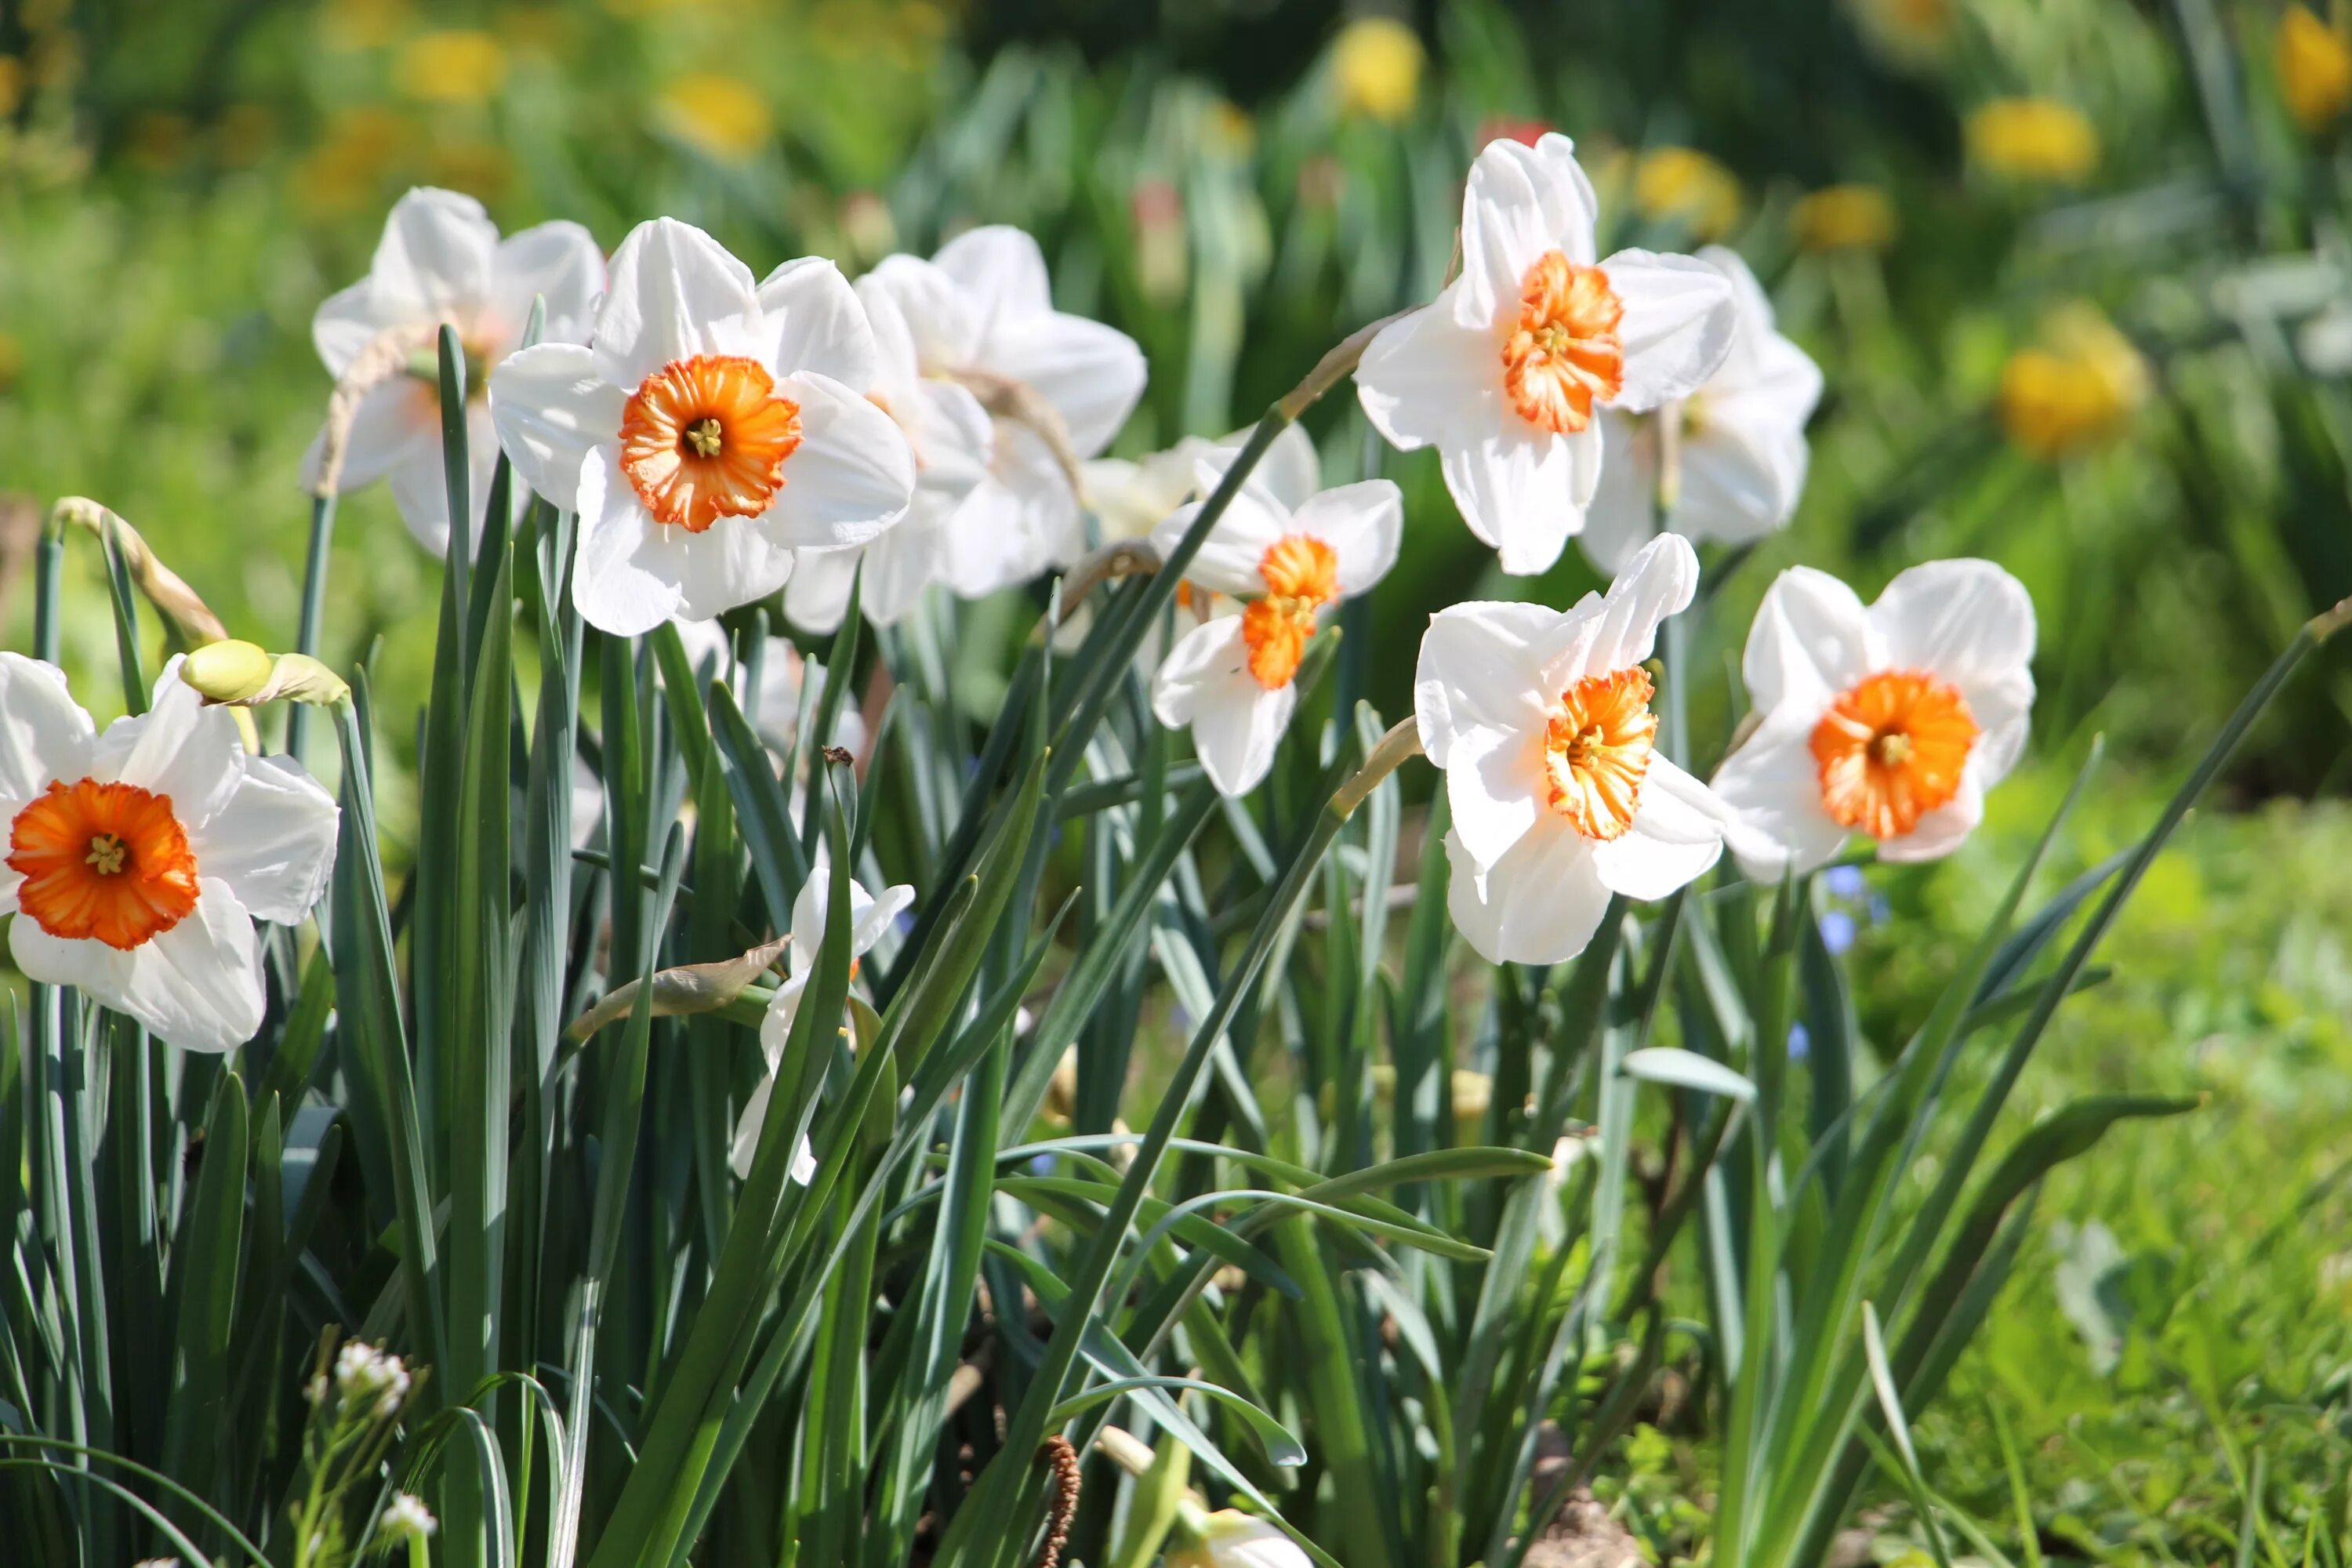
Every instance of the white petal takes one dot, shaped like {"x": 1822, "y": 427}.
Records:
{"x": 1939, "y": 832}
{"x": 1205, "y": 682}
{"x": 351, "y": 319}
{"x": 197, "y": 985}
{"x": 1291, "y": 470}
{"x": 1623, "y": 515}
{"x": 1001, "y": 273}
{"x": 1810, "y": 640}
{"x": 1231, "y": 560}
{"x": 1092, "y": 375}
{"x": 850, "y": 478}
{"x": 942, "y": 322}
{"x": 992, "y": 542}
{"x": 1676, "y": 835}
{"x": 907, "y": 559}
{"x": 393, "y": 425}
{"x": 436, "y": 257}
{"x": 631, "y": 574}
{"x": 1965, "y": 621}
{"x": 1521, "y": 202}
{"x": 1491, "y": 785}
{"x": 1660, "y": 581}
{"x": 674, "y": 293}
{"x": 818, "y": 324}
{"x": 178, "y": 748}
{"x": 1364, "y": 525}
{"x": 746, "y": 1143}
{"x": 1679, "y": 319}
{"x": 551, "y": 406}
{"x": 45, "y": 736}
{"x": 559, "y": 262}
{"x": 420, "y": 482}
{"x": 273, "y": 843}
{"x": 1767, "y": 383}
{"x": 1426, "y": 380}
{"x": 1771, "y": 788}
{"x": 952, "y": 434}
{"x": 869, "y": 918}
{"x": 1480, "y": 675}
{"x": 1522, "y": 490}
{"x": 1738, "y": 482}
{"x": 817, "y": 597}
{"x": 1539, "y": 904}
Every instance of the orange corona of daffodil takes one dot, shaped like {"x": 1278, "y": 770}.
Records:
{"x": 2033, "y": 139}
{"x": 723, "y": 115}
{"x": 1377, "y": 64}
{"x": 2314, "y": 71}
{"x": 1844, "y": 217}
{"x": 460, "y": 65}
{"x": 1683, "y": 184}
{"x": 2075, "y": 389}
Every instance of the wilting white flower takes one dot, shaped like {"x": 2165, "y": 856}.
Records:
{"x": 406, "y": 1515}
{"x": 708, "y": 433}
{"x": 137, "y": 860}
{"x": 1231, "y": 1538}
{"x": 1740, "y": 453}
{"x": 441, "y": 262}
{"x": 1234, "y": 678}
{"x": 869, "y": 918}
{"x": 1541, "y": 721}
{"x": 1890, "y": 721}
{"x": 953, "y": 445}
{"x": 1504, "y": 371}
{"x": 365, "y": 1374}
{"x": 980, "y": 315}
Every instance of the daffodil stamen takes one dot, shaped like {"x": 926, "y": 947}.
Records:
{"x": 107, "y": 854}
{"x": 1890, "y": 749}
{"x": 1597, "y": 750}
{"x": 1565, "y": 352}
{"x": 706, "y": 437}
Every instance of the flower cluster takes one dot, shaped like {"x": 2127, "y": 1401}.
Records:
{"x": 939, "y": 423}
{"x": 366, "y": 1375}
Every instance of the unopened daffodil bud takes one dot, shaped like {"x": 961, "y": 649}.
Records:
{"x": 230, "y": 673}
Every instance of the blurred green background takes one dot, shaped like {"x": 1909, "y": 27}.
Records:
{"x": 2076, "y": 271}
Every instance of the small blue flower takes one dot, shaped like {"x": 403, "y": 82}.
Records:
{"x": 1799, "y": 1042}
{"x": 1881, "y": 911}
{"x": 1837, "y": 930}
{"x": 1042, "y": 1165}
{"x": 1844, "y": 882}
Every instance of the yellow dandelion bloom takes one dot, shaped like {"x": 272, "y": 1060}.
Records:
{"x": 723, "y": 115}
{"x": 464, "y": 65}
{"x": 2076, "y": 389}
{"x": 1377, "y": 64}
{"x": 1683, "y": 184}
{"x": 2033, "y": 139}
{"x": 2314, "y": 71}
{"x": 1844, "y": 217}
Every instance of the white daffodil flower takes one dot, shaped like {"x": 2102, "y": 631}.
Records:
{"x": 1131, "y": 497}
{"x": 869, "y": 920}
{"x": 1740, "y": 455}
{"x": 952, "y": 443}
{"x": 1231, "y": 1538}
{"x": 1890, "y": 721}
{"x": 707, "y": 433}
{"x": 1504, "y": 372}
{"x": 1541, "y": 721}
{"x": 139, "y": 858}
{"x": 441, "y": 262}
{"x": 1234, "y": 678}
{"x": 980, "y": 315}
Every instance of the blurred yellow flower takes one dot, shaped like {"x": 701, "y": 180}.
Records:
{"x": 12, "y": 361}
{"x": 1844, "y": 217}
{"x": 723, "y": 115}
{"x": 12, "y": 84}
{"x": 480, "y": 169}
{"x": 2314, "y": 71}
{"x": 542, "y": 29}
{"x": 345, "y": 170}
{"x": 2075, "y": 389}
{"x": 2033, "y": 139}
{"x": 1377, "y": 62}
{"x": 1232, "y": 131}
{"x": 244, "y": 134}
{"x": 1684, "y": 184}
{"x": 353, "y": 25}
{"x": 461, "y": 66}
{"x": 1912, "y": 33}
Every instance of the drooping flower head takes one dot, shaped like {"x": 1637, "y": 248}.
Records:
{"x": 1231, "y": 1538}
{"x": 1505, "y": 372}
{"x": 1234, "y": 678}
{"x": 441, "y": 262}
{"x": 709, "y": 432}
{"x": 1890, "y": 721}
{"x": 1056, "y": 388}
{"x": 1541, "y": 719}
{"x": 137, "y": 859}
{"x": 1740, "y": 452}
{"x": 870, "y": 919}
